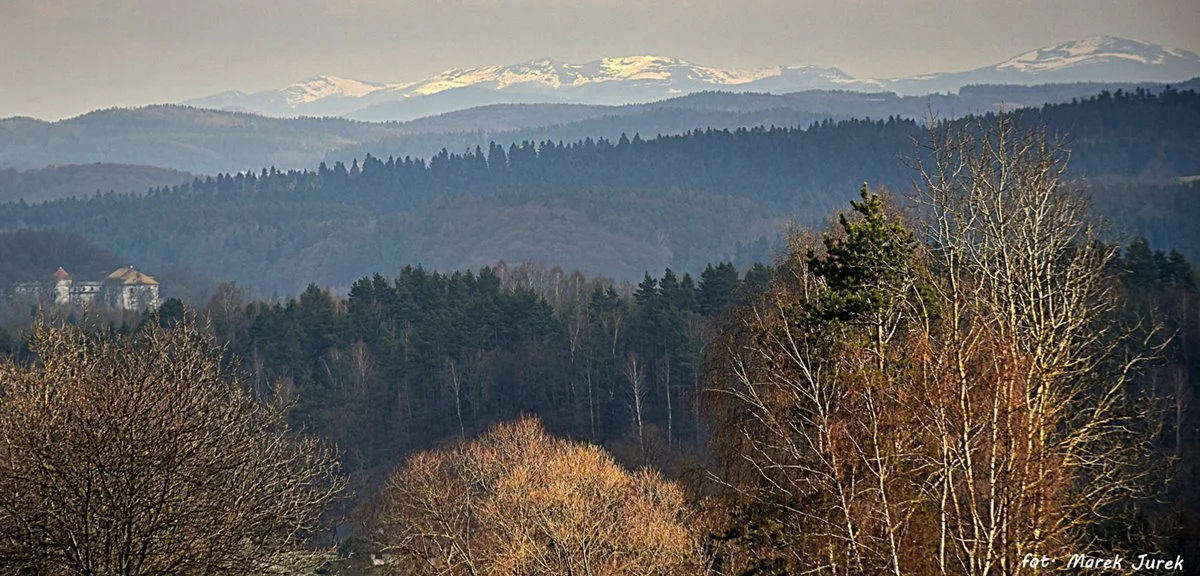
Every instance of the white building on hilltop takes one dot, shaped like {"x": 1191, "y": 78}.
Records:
{"x": 125, "y": 289}
{"x": 130, "y": 289}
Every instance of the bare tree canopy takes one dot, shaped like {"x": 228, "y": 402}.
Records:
{"x": 146, "y": 456}
{"x": 518, "y": 501}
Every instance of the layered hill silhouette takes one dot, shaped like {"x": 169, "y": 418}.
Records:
{"x": 207, "y": 141}
{"x": 615, "y": 207}
{"x": 637, "y": 79}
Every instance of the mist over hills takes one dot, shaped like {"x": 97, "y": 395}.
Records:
{"x": 635, "y": 79}
{"x": 618, "y": 208}
{"x": 178, "y": 137}
{"x": 720, "y": 110}
{"x": 208, "y": 141}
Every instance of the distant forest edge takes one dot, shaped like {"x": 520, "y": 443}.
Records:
{"x": 973, "y": 99}
{"x": 204, "y": 141}
{"x": 465, "y": 129}
{"x": 614, "y": 208}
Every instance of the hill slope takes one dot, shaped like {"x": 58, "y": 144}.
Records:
{"x": 619, "y": 208}
{"x": 187, "y": 139}
{"x": 466, "y": 129}
{"x": 206, "y": 141}
{"x": 76, "y": 180}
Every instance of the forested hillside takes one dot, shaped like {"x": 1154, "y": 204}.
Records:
{"x": 1164, "y": 214}
{"x": 210, "y": 141}
{"x": 83, "y": 180}
{"x": 700, "y": 377}
{"x": 622, "y": 208}
{"x": 465, "y": 129}
{"x": 34, "y": 255}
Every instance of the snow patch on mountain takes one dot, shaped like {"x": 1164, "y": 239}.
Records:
{"x": 643, "y": 78}
{"x": 549, "y": 73}
{"x": 1091, "y": 49}
{"x": 320, "y": 87}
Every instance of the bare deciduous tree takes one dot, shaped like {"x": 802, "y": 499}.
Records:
{"x": 952, "y": 418}
{"x": 518, "y": 501}
{"x": 146, "y": 456}
{"x": 635, "y": 374}
{"x": 1046, "y": 438}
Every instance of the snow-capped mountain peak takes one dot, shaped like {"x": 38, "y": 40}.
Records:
{"x": 647, "y": 77}
{"x": 1093, "y": 49}
{"x": 550, "y": 73}
{"x": 320, "y": 87}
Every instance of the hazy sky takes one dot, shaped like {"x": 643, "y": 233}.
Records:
{"x": 65, "y": 57}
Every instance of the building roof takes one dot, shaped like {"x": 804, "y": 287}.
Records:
{"x": 61, "y": 274}
{"x": 129, "y": 275}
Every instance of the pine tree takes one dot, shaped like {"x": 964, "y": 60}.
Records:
{"x": 862, "y": 268}
{"x": 718, "y": 287}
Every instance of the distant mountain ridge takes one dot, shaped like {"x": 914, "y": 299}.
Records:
{"x": 203, "y": 141}
{"x": 634, "y": 79}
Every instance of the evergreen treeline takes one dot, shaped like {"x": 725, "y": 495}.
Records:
{"x": 402, "y": 364}
{"x": 1126, "y": 134}
{"x": 465, "y": 129}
